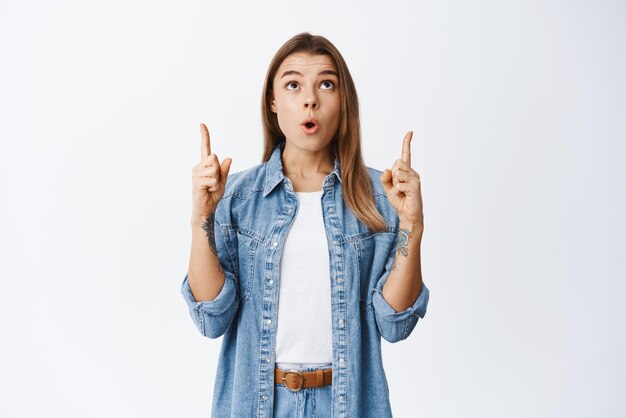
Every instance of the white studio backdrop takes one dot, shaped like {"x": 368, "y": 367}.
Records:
{"x": 519, "y": 117}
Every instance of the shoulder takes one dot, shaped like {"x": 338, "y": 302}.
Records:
{"x": 243, "y": 183}
{"x": 240, "y": 187}
{"x": 377, "y": 187}
{"x": 379, "y": 195}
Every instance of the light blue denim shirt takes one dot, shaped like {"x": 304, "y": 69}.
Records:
{"x": 251, "y": 223}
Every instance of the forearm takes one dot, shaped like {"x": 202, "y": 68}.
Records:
{"x": 404, "y": 283}
{"x": 206, "y": 277}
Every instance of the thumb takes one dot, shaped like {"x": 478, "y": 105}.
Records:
{"x": 224, "y": 169}
{"x": 385, "y": 179}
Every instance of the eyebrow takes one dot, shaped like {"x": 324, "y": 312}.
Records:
{"x": 294, "y": 72}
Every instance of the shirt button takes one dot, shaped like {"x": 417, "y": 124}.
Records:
{"x": 331, "y": 210}
{"x": 271, "y": 281}
{"x": 268, "y": 359}
{"x": 341, "y": 322}
{"x": 275, "y": 244}
{"x": 264, "y": 397}
{"x": 288, "y": 210}
{"x": 339, "y": 279}
{"x": 336, "y": 242}
{"x": 341, "y": 360}
{"x": 268, "y": 321}
{"x": 341, "y": 398}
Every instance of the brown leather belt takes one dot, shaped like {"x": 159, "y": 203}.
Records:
{"x": 295, "y": 380}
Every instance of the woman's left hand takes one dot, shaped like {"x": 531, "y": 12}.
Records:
{"x": 403, "y": 187}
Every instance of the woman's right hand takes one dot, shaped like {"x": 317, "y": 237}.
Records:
{"x": 208, "y": 179}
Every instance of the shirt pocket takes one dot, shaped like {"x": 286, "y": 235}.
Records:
{"x": 372, "y": 253}
{"x": 247, "y": 247}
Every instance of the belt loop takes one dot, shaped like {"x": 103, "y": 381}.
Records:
{"x": 319, "y": 377}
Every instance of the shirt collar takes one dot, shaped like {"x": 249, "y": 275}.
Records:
{"x": 274, "y": 169}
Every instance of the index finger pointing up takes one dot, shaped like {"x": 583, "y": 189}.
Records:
{"x": 406, "y": 148}
{"x": 205, "y": 147}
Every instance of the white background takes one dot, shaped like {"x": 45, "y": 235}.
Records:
{"x": 518, "y": 110}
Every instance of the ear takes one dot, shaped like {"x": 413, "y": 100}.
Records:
{"x": 273, "y": 104}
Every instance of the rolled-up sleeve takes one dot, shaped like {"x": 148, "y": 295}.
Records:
{"x": 213, "y": 317}
{"x": 396, "y": 326}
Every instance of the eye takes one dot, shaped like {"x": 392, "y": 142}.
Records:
{"x": 292, "y": 85}
{"x": 327, "y": 85}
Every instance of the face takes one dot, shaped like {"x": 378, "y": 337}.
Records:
{"x": 306, "y": 100}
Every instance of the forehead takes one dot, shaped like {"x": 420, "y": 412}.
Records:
{"x": 305, "y": 62}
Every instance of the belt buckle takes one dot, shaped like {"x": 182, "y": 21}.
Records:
{"x": 301, "y": 380}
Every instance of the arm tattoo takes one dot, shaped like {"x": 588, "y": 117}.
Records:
{"x": 209, "y": 228}
{"x": 402, "y": 247}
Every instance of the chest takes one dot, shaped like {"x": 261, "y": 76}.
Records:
{"x": 311, "y": 184}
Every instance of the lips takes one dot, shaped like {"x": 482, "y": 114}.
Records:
{"x": 310, "y": 126}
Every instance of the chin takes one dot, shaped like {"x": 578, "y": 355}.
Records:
{"x": 311, "y": 143}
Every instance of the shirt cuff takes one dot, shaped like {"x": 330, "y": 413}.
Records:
{"x": 396, "y": 326}
{"x": 385, "y": 310}
{"x": 222, "y": 302}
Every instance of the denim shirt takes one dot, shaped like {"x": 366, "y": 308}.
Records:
{"x": 252, "y": 221}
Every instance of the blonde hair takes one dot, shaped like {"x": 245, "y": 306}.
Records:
{"x": 346, "y": 145}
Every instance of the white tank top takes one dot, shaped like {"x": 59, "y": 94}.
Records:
{"x": 304, "y": 328}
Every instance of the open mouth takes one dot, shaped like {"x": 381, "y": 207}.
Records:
{"x": 310, "y": 127}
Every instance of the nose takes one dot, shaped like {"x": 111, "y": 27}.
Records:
{"x": 311, "y": 103}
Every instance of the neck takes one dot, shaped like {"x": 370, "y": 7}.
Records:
{"x": 306, "y": 164}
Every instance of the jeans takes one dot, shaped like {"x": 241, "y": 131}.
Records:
{"x": 305, "y": 403}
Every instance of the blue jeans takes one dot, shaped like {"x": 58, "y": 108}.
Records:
{"x": 305, "y": 403}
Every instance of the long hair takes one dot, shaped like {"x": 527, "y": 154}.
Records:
{"x": 346, "y": 145}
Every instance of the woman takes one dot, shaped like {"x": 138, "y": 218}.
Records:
{"x": 304, "y": 261}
